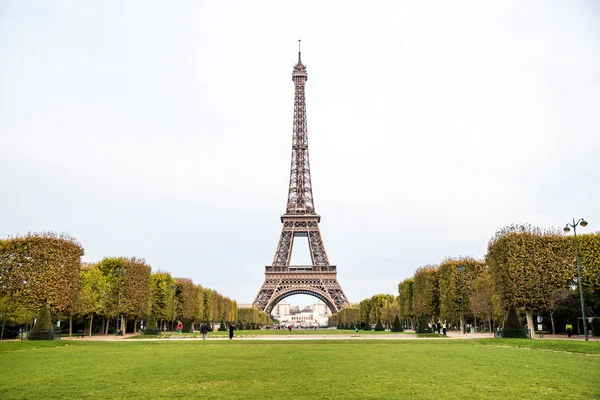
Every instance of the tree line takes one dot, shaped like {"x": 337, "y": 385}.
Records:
{"x": 46, "y": 269}
{"x": 527, "y": 267}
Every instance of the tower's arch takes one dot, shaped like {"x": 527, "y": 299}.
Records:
{"x": 319, "y": 294}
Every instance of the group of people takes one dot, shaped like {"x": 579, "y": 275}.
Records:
{"x": 204, "y": 330}
{"x": 439, "y": 326}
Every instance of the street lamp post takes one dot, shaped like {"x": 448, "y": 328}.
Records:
{"x": 574, "y": 225}
{"x": 461, "y": 269}
{"x": 173, "y": 305}
{"x": 120, "y": 271}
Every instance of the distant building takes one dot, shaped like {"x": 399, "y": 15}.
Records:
{"x": 310, "y": 316}
{"x": 244, "y": 305}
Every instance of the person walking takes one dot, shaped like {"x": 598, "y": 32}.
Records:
{"x": 180, "y": 327}
{"x": 231, "y": 328}
{"x": 444, "y": 328}
{"x": 204, "y": 331}
{"x": 569, "y": 329}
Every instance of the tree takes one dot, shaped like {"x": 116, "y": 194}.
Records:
{"x": 162, "y": 293}
{"x": 389, "y": 310}
{"x": 94, "y": 295}
{"x": 365, "y": 310}
{"x": 135, "y": 292}
{"x": 377, "y": 303}
{"x": 186, "y": 297}
{"x": 426, "y": 291}
{"x": 589, "y": 257}
{"x": 482, "y": 299}
{"x": 528, "y": 265}
{"x": 207, "y": 304}
{"x": 456, "y": 280}
{"x": 379, "y": 327}
{"x": 40, "y": 268}
{"x": 559, "y": 296}
{"x": 405, "y": 300}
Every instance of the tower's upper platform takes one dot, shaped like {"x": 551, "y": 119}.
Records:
{"x": 299, "y": 76}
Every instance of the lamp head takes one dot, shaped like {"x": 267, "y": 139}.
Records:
{"x": 583, "y": 222}
{"x": 567, "y": 229}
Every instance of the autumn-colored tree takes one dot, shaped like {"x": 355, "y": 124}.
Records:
{"x": 426, "y": 291}
{"x": 252, "y": 317}
{"x": 162, "y": 296}
{"x": 136, "y": 293}
{"x": 389, "y": 310}
{"x": 377, "y": 302}
{"x": 364, "y": 308}
{"x": 207, "y": 296}
{"x": 95, "y": 294}
{"x": 186, "y": 301}
{"x": 528, "y": 265}
{"x": 405, "y": 300}
{"x": 456, "y": 280}
{"x": 482, "y": 298}
{"x": 589, "y": 258}
{"x": 199, "y": 304}
{"x": 40, "y": 268}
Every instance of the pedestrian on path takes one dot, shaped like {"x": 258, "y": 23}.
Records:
{"x": 444, "y": 328}
{"x": 180, "y": 327}
{"x": 204, "y": 331}
{"x": 231, "y": 328}
{"x": 569, "y": 329}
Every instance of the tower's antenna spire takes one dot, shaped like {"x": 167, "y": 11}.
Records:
{"x": 299, "y": 52}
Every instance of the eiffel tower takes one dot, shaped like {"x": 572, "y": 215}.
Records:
{"x": 300, "y": 220}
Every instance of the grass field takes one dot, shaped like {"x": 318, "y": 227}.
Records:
{"x": 337, "y": 369}
{"x": 269, "y": 332}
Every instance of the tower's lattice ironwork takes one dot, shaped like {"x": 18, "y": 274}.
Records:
{"x": 300, "y": 220}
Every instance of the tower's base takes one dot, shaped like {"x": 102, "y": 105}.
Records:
{"x": 301, "y": 280}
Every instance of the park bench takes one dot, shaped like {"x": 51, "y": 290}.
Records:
{"x": 80, "y": 333}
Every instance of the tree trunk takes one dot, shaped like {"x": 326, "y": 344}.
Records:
{"x": 530, "y": 324}
{"x": 135, "y": 321}
{"x": 2, "y": 333}
{"x": 91, "y": 320}
{"x": 552, "y": 321}
{"x": 70, "y": 326}
{"x": 492, "y": 325}
{"x": 106, "y": 327}
{"x": 123, "y": 324}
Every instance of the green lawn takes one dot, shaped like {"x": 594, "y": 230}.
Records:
{"x": 272, "y": 332}
{"x": 338, "y": 369}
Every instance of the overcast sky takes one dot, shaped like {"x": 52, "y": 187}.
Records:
{"x": 163, "y": 129}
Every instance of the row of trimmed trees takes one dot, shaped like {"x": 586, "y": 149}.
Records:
{"x": 38, "y": 269}
{"x": 528, "y": 267}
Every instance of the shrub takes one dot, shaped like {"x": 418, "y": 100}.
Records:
{"x": 423, "y": 325}
{"x": 366, "y": 326}
{"x": 379, "y": 327}
{"x": 397, "y": 327}
{"x": 43, "y": 326}
{"x": 151, "y": 328}
{"x": 512, "y": 325}
{"x": 222, "y": 326}
{"x": 596, "y": 327}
